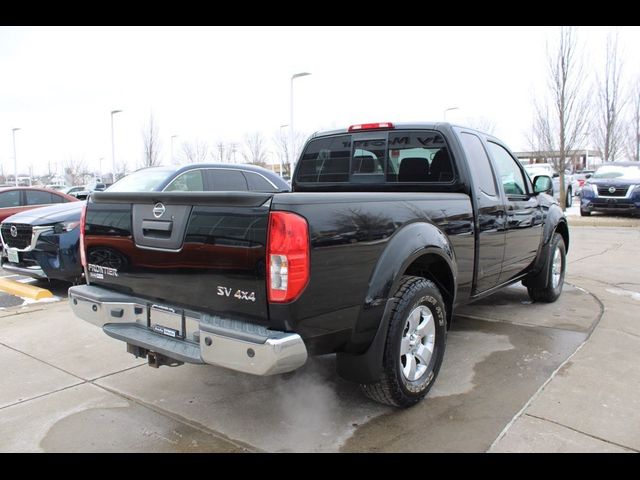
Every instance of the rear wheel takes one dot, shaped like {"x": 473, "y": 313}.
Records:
{"x": 555, "y": 273}
{"x": 414, "y": 347}
{"x": 569, "y": 201}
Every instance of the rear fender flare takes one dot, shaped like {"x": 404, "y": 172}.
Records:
{"x": 404, "y": 248}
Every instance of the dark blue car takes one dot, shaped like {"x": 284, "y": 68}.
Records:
{"x": 613, "y": 188}
{"x": 43, "y": 243}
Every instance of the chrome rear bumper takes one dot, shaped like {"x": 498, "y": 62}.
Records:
{"x": 189, "y": 336}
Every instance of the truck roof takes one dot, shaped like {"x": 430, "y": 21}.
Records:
{"x": 397, "y": 126}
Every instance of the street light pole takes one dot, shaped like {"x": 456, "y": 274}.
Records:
{"x": 293, "y": 77}
{"x": 113, "y": 147}
{"x": 281, "y": 162}
{"x": 15, "y": 160}
{"x": 448, "y": 109}
{"x": 172, "y": 137}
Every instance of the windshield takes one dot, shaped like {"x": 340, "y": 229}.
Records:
{"x": 617, "y": 171}
{"x": 145, "y": 180}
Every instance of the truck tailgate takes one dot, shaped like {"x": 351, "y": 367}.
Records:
{"x": 203, "y": 251}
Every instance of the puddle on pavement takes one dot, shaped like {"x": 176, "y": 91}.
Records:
{"x": 477, "y": 392}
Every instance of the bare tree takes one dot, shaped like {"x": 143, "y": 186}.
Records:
{"x": 482, "y": 124}
{"x": 195, "y": 152}
{"x": 151, "y": 139}
{"x": 220, "y": 152}
{"x": 633, "y": 135}
{"x": 608, "y": 129}
{"x": 255, "y": 151}
{"x": 558, "y": 127}
{"x": 76, "y": 171}
{"x": 283, "y": 145}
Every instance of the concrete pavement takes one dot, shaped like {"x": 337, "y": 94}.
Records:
{"x": 511, "y": 381}
{"x": 592, "y": 402}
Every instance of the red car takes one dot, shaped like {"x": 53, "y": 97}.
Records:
{"x": 18, "y": 199}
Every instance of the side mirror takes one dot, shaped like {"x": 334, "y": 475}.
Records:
{"x": 556, "y": 175}
{"x": 588, "y": 175}
{"x": 542, "y": 184}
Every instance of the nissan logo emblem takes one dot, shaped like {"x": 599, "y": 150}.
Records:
{"x": 14, "y": 231}
{"x": 158, "y": 210}
{"x": 612, "y": 189}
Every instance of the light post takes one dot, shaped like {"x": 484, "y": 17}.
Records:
{"x": 172, "y": 137}
{"x": 113, "y": 147}
{"x": 281, "y": 162}
{"x": 15, "y": 160}
{"x": 448, "y": 109}
{"x": 586, "y": 151}
{"x": 293, "y": 77}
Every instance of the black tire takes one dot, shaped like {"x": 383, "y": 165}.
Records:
{"x": 569, "y": 201}
{"x": 585, "y": 213}
{"x": 394, "y": 387}
{"x": 551, "y": 293}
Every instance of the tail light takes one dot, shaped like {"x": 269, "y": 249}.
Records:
{"x": 83, "y": 221}
{"x": 287, "y": 256}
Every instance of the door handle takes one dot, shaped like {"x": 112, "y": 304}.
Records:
{"x": 159, "y": 226}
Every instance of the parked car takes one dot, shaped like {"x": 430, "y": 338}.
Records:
{"x": 534, "y": 169}
{"x": 613, "y": 188}
{"x": 18, "y": 199}
{"x": 581, "y": 177}
{"x": 387, "y": 229}
{"x": 82, "y": 193}
{"x": 46, "y": 241}
{"x": 72, "y": 190}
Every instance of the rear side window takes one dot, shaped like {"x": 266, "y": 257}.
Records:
{"x": 391, "y": 157}
{"x": 228, "y": 180}
{"x": 10, "y": 199}
{"x": 190, "y": 181}
{"x": 34, "y": 197}
{"x": 479, "y": 163}
{"x": 258, "y": 183}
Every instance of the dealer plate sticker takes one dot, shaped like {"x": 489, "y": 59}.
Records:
{"x": 170, "y": 332}
{"x": 13, "y": 255}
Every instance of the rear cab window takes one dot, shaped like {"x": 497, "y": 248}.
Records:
{"x": 377, "y": 157}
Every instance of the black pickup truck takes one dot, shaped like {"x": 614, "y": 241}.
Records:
{"x": 387, "y": 229}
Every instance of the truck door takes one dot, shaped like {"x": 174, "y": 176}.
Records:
{"x": 490, "y": 242}
{"x": 523, "y": 213}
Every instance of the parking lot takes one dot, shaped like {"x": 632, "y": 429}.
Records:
{"x": 517, "y": 376}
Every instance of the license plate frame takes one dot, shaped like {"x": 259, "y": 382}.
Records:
{"x": 13, "y": 255}
{"x": 166, "y": 321}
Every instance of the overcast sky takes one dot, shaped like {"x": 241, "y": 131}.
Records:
{"x": 59, "y": 84}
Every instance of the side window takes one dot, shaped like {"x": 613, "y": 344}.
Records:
{"x": 257, "y": 183}
{"x": 58, "y": 199}
{"x": 479, "y": 164}
{"x": 10, "y": 199}
{"x": 228, "y": 180}
{"x": 190, "y": 181}
{"x": 35, "y": 197}
{"x": 512, "y": 179}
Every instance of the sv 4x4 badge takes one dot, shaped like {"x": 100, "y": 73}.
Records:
{"x": 240, "y": 294}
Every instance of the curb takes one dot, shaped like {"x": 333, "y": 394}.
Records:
{"x": 22, "y": 290}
